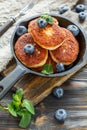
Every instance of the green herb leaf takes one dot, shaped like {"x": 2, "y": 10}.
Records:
{"x": 12, "y": 110}
{"x": 16, "y": 104}
{"x": 20, "y": 107}
{"x": 44, "y": 16}
{"x": 20, "y": 92}
{"x": 18, "y": 95}
{"x": 48, "y": 18}
{"x": 47, "y": 69}
{"x": 20, "y": 112}
{"x": 28, "y": 105}
{"x": 25, "y": 120}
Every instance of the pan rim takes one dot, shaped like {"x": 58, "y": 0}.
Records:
{"x": 71, "y": 70}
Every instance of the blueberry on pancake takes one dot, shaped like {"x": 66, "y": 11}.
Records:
{"x": 34, "y": 60}
{"x": 50, "y": 37}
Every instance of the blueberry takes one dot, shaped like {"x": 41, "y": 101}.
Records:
{"x": 60, "y": 115}
{"x": 42, "y": 23}
{"x": 73, "y": 29}
{"x": 21, "y": 30}
{"x": 60, "y": 67}
{"x": 82, "y": 16}
{"x": 58, "y": 92}
{"x": 29, "y": 48}
{"x": 63, "y": 9}
{"x": 80, "y": 7}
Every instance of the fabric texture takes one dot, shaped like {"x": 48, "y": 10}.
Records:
{"x": 12, "y": 7}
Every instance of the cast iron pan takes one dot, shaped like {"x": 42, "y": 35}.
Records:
{"x": 20, "y": 70}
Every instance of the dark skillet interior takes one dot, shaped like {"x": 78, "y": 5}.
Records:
{"x": 63, "y": 22}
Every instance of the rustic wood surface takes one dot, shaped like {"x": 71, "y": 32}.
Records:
{"x": 74, "y": 101}
{"x": 36, "y": 88}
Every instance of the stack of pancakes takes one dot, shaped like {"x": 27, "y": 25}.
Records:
{"x": 53, "y": 44}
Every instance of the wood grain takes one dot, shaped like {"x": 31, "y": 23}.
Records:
{"x": 36, "y": 88}
{"x": 74, "y": 102}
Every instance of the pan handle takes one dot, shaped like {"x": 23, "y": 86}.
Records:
{"x": 7, "y": 83}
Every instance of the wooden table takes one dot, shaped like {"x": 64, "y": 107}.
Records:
{"x": 74, "y": 102}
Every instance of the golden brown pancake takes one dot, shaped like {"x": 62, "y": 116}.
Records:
{"x": 54, "y": 20}
{"x": 67, "y": 53}
{"x": 49, "y": 61}
{"x": 50, "y": 37}
{"x": 68, "y": 34}
{"x": 39, "y": 56}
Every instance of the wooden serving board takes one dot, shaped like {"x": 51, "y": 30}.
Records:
{"x": 36, "y": 88}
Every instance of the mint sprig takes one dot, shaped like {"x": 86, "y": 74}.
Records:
{"x": 25, "y": 118}
{"x": 28, "y": 105}
{"x": 20, "y": 107}
{"x": 47, "y": 69}
{"x": 48, "y": 18}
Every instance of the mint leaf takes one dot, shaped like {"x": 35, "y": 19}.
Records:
{"x": 12, "y": 110}
{"x": 47, "y": 69}
{"x": 20, "y": 112}
{"x": 44, "y": 16}
{"x": 16, "y": 104}
{"x": 20, "y": 92}
{"x": 48, "y": 18}
{"x": 20, "y": 107}
{"x": 25, "y": 120}
{"x": 28, "y": 105}
{"x": 18, "y": 95}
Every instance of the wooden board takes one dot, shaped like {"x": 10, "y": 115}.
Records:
{"x": 74, "y": 102}
{"x": 36, "y": 88}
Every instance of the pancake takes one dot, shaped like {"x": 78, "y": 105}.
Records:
{"x": 54, "y": 20}
{"x": 39, "y": 56}
{"x": 50, "y": 37}
{"x": 68, "y": 34}
{"x": 49, "y": 61}
{"x": 67, "y": 53}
